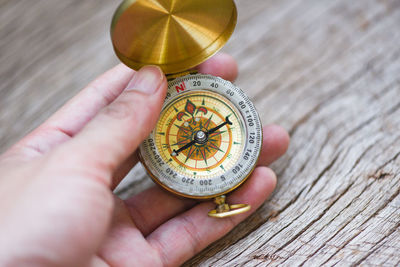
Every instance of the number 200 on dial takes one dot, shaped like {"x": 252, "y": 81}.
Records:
{"x": 207, "y": 140}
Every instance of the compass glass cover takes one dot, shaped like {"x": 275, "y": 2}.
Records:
{"x": 207, "y": 140}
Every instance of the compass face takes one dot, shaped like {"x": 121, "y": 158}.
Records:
{"x": 207, "y": 140}
{"x": 190, "y": 118}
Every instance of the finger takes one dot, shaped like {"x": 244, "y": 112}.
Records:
{"x": 115, "y": 133}
{"x": 221, "y": 65}
{"x": 275, "y": 144}
{"x": 121, "y": 172}
{"x": 125, "y": 242}
{"x": 75, "y": 114}
{"x": 182, "y": 237}
{"x": 152, "y": 207}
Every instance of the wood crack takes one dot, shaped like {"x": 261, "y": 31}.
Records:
{"x": 347, "y": 206}
{"x": 342, "y": 227}
{"x": 314, "y": 220}
{"x": 364, "y": 222}
{"x": 372, "y": 21}
{"x": 278, "y": 232}
{"x": 334, "y": 93}
{"x": 337, "y": 91}
{"x": 322, "y": 173}
{"x": 389, "y": 161}
{"x": 376, "y": 246}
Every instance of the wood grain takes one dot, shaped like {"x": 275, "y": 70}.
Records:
{"x": 328, "y": 71}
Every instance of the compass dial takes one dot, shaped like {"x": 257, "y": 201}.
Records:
{"x": 207, "y": 140}
{"x": 188, "y": 121}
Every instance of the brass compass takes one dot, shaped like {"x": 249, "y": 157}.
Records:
{"x": 208, "y": 138}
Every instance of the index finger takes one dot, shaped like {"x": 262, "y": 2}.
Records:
{"x": 222, "y": 65}
{"x": 81, "y": 109}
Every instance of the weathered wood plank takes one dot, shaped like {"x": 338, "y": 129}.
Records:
{"x": 325, "y": 70}
{"x": 339, "y": 109}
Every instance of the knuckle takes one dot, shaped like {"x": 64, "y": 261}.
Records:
{"x": 130, "y": 105}
{"x": 191, "y": 230}
{"x": 130, "y": 110}
{"x": 120, "y": 109}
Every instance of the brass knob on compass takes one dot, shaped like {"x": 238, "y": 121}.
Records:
{"x": 224, "y": 210}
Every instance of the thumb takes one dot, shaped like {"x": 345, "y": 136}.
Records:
{"x": 116, "y": 132}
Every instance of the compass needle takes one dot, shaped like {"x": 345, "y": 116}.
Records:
{"x": 215, "y": 134}
{"x": 184, "y": 142}
{"x": 176, "y": 152}
{"x": 227, "y": 122}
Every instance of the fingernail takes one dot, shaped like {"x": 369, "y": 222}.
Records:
{"x": 147, "y": 80}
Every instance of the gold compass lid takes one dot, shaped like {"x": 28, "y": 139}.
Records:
{"x": 175, "y": 35}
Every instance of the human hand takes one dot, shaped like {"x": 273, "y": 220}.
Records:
{"x": 56, "y": 201}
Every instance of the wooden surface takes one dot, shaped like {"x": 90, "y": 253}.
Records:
{"x": 328, "y": 71}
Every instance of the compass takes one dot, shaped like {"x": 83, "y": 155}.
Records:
{"x": 208, "y": 138}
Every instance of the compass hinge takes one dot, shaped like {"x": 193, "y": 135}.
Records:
{"x": 173, "y": 76}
